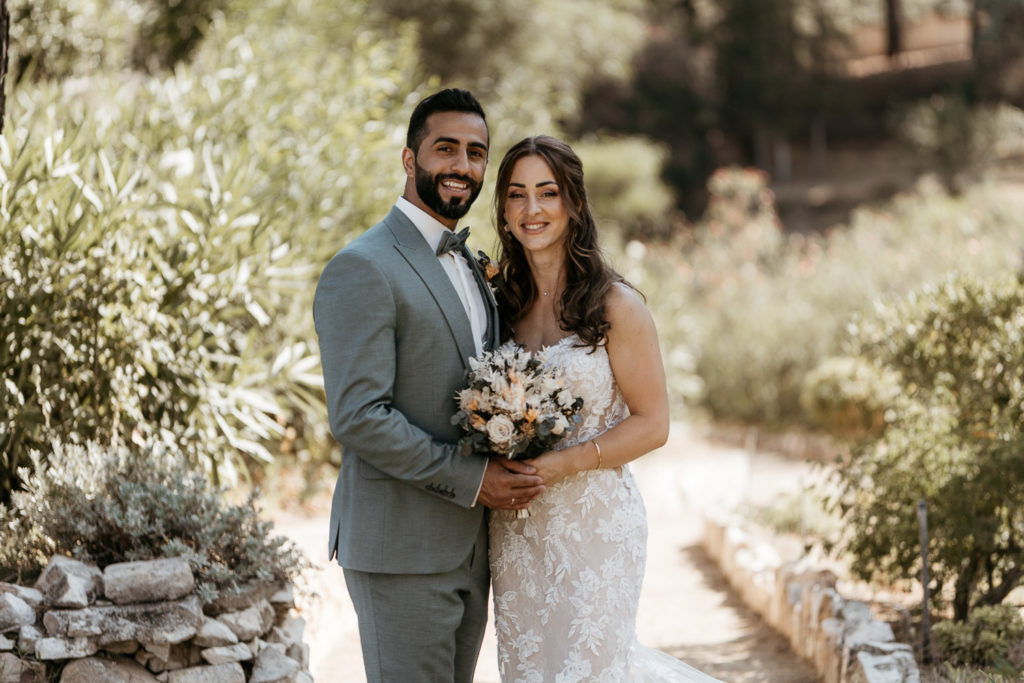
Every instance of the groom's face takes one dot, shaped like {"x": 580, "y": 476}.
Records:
{"x": 446, "y": 173}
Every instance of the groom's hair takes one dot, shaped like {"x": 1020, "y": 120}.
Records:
{"x": 451, "y": 99}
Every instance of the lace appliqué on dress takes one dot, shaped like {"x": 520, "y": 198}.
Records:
{"x": 567, "y": 578}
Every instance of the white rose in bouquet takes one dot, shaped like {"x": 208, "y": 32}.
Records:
{"x": 501, "y": 430}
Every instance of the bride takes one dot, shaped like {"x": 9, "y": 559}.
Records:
{"x": 567, "y": 578}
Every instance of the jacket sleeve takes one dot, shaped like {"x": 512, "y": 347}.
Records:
{"x": 355, "y": 314}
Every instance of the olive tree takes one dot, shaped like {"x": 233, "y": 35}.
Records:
{"x": 952, "y": 438}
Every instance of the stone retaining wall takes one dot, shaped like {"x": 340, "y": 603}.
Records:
{"x": 136, "y": 622}
{"x": 839, "y": 637}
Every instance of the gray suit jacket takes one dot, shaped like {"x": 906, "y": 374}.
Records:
{"x": 394, "y": 339}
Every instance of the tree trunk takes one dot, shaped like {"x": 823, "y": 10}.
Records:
{"x": 996, "y": 594}
{"x": 5, "y": 35}
{"x": 964, "y": 585}
{"x": 894, "y": 27}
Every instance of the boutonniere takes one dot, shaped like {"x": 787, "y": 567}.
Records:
{"x": 490, "y": 270}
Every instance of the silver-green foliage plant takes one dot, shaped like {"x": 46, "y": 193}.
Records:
{"x": 952, "y": 438}
{"x": 991, "y": 636}
{"x": 160, "y": 236}
{"x": 125, "y": 504}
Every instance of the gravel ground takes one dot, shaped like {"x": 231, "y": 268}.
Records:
{"x": 687, "y": 608}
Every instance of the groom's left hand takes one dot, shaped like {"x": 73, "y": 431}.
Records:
{"x": 509, "y": 485}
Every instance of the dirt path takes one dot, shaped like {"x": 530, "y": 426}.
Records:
{"x": 686, "y": 609}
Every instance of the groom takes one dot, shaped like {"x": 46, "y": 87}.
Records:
{"x": 398, "y": 312}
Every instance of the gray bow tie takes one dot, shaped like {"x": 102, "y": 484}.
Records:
{"x": 452, "y": 241}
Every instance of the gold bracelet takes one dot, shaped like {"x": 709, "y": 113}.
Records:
{"x": 598, "y": 447}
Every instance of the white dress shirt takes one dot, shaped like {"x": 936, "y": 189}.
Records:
{"x": 455, "y": 267}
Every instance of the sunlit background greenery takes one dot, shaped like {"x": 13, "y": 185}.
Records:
{"x": 174, "y": 175}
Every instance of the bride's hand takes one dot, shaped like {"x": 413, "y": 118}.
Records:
{"x": 554, "y": 466}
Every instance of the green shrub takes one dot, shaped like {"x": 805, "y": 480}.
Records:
{"x": 952, "y": 438}
{"x": 847, "y": 396}
{"x": 127, "y": 503}
{"x": 624, "y": 184}
{"x": 986, "y": 638}
{"x": 769, "y": 307}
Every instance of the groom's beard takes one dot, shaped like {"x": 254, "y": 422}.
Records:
{"x": 427, "y": 188}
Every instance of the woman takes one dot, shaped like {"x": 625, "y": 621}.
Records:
{"x": 567, "y": 578}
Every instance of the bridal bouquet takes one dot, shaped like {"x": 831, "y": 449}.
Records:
{"x": 514, "y": 405}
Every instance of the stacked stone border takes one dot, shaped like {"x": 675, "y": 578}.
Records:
{"x": 839, "y": 637}
{"x": 143, "y": 622}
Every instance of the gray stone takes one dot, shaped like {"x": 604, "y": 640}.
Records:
{"x": 15, "y": 612}
{"x": 30, "y": 595}
{"x": 868, "y": 631}
{"x": 95, "y": 669}
{"x": 288, "y": 631}
{"x": 289, "y": 634}
{"x": 304, "y": 677}
{"x": 213, "y": 633}
{"x": 65, "y": 648}
{"x": 243, "y": 597}
{"x": 123, "y": 647}
{"x": 284, "y": 596}
{"x": 150, "y": 661}
{"x": 28, "y": 636}
{"x": 69, "y": 583}
{"x": 160, "y": 650}
{"x": 249, "y": 623}
{"x": 148, "y": 581}
{"x": 161, "y": 623}
{"x": 239, "y": 652}
{"x": 219, "y": 673}
{"x": 6, "y": 644}
{"x": 898, "y": 667}
{"x": 12, "y": 669}
{"x": 184, "y": 655}
{"x": 161, "y": 658}
{"x": 273, "y": 666}
{"x": 300, "y": 653}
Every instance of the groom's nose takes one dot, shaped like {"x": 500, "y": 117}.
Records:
{"x": 460, "y": 162}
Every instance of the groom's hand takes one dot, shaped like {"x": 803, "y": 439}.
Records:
{"x": 509, "y": 485}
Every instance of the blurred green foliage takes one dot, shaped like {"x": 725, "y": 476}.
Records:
{"x": 770, "y": 307}
{"x": 988, "y": 637}
{"x": 624, "y": 187}
{"x": 160, "y": 237}
{"x": 951, "y": 438}
{"x": 957, "y": 138}
{"x": 526, "y": 61}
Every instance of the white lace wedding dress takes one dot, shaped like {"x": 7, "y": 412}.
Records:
{"x": 567, "y": 578}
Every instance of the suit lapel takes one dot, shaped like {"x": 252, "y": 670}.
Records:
{"x": 413, "y": 248}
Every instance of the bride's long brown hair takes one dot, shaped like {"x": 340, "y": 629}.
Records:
{"x": 588, "y": 278}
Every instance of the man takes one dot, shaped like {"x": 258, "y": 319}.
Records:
{"x": 397, "y": 318}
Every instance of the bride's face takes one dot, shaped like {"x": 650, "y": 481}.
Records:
{"x": 534, "y": 210}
